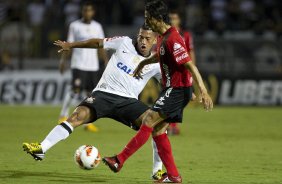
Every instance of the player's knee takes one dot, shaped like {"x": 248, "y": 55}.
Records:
{"x": 80, "y": 115}
{"x": 149, "y": 119}
{"x": 160, "y": 129}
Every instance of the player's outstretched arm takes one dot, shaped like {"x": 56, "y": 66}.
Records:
{"x": 138, "y": 70}
{"x": 91, "y": 43}
{"x": 206, "y": 99}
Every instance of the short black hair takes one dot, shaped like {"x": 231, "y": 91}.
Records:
{"x": 158, "y": 10}
{"x": 146, "y": 28}
{"x": 174, "y": 11}
{"x": 88, "y": 3}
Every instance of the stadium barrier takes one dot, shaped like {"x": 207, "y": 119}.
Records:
{"x": 33, "y": 87}
{"x": 49, "y": 87}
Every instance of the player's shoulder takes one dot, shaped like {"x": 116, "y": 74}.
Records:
{"x": 75, "y": 23}
{"x": 96, "y": 23}
{"x": 119, "y": 38}
{"x": 187, "y": 34}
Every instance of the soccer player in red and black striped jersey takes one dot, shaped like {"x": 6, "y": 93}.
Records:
{"x": 177, "y": 71}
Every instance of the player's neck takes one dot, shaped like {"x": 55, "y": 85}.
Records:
{"x": 86, "y": 21}
{"x": 164, "y": 28}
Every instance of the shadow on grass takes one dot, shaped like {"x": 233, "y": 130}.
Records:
{"x": 54, "y": 177}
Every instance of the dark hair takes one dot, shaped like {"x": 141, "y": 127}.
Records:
{"x": 175, "y": 11}
{"x": 88, "y": 3}
{"x": 146, "y": 28}
{"x": 157, "y": 9}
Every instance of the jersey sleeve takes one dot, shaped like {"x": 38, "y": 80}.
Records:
{"x": 178, "y": 50}
{"x": 71, "y": 33}
{"x": 101, "y": 32}
{"x": 114, "y": 43}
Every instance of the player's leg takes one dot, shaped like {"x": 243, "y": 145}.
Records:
{"x": 165, "y": 152}
{"x": 76, "y": 88}
{"x": 81, "y": 115}
{"x": 150, "y": 120}
{"x": 157, "y": 171}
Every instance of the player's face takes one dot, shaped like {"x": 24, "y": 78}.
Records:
{"x": 88, "y": 13}
{"x": 145, "y": 41}
{"x": 174, "y": 19}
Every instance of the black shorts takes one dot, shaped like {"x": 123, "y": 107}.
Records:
{"x": 122, "y": 109}
{"x": 171, "y": 103}
{"x": 84, "y": 80}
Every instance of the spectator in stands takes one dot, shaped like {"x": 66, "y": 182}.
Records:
{"x": 36, "y": 11}
{"x": 71, "y": 11}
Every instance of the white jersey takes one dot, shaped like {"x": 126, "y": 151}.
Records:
{"x": 84, "y": 58}
{"x": 117, "y": 77}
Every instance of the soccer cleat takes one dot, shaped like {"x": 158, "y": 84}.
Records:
{"x": 91, "y": 128}
{"x": 62, "y": 119}
{"x": 113, "y": 163}
{"x": 35, "y": 150}
{"x": 169, "y": 179}
{"x": 158, "y": 175}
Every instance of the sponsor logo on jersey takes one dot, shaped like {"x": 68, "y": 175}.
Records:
{"x": 183, "y": 56}
{"x": 176, "y": 46}
{"x": 177, "y": 49}
{"x": 124, "y": 68}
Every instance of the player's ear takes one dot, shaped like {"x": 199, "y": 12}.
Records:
{"x": 155, "y": 39}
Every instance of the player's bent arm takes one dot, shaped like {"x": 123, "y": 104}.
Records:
{"x": 208, "y": 104}
{"x": 150, "y": 60}
{"x": 192, "y": 56}
{"x": 64, "y": 58}
{"x": 91, "y": 43}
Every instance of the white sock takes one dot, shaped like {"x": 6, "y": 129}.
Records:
{"x": 157, "y": 162}
{"x": 60, "y": 132}
{"x": 67, "y": 103}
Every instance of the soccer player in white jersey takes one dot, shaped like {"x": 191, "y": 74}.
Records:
{"x": 115, "y": 96}
{"x": 84, "y": 62}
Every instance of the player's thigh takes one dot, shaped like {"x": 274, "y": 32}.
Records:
{"x": 153, "y": 118}
{"x": 80, "y": 115}
{"x": 131, "y": 112}
{"x": 160, "y": 128}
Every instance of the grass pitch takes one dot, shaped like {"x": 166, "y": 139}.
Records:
{"x": 227, "y": 146}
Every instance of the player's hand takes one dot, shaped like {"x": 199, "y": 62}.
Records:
{"x": 65, "y": 46}
{"x": 138, "y": 71}
{"x": 207, "y": 101}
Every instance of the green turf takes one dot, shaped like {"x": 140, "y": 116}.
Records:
{"x": 228, "y": 145}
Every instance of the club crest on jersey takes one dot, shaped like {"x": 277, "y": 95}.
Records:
{"x": 123, "y": 67}
{"x": 162, "y": 51}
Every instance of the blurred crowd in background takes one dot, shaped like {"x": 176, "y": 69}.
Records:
{"x": 28, "y": 27}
